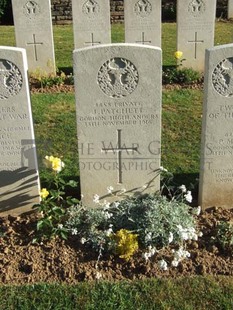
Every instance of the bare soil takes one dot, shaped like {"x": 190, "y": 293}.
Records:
{"x": 68, "y": 261}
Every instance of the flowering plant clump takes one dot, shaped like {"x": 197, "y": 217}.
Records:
{"x": 223, "y": 236}
{"x": 149, "y": 222}
{"x": 54, "y": 203}
{"x": 126, "y": 243}
{"x": 178, "y": 74}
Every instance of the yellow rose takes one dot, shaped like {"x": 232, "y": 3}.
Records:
{"x": 178, "y": 54}
{"x": 44, "y": 193}
{"x": 55, "y": 163}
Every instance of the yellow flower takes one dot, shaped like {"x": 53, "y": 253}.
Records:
{"x": 55, "y": 163}
{"x": 178, "y": 54}
{"x": 127, "y": 243}
{"x": 44, "y": 193}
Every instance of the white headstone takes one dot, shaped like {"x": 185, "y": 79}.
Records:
{"x": 91, "y": 22}
{"x": 118, "y": 98}
{"x": 143, "y": 22}
{"x": 33, "y": 31}
{"x": 195, "y": 30}
{"x": 19, "y": 184}
{"x": 216, "y": 176}
{"x": 230, "y": 9}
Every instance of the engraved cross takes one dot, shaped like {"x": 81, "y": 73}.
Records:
{"x": 92, "y": 40}
{"x": 196, "y": 41}
{"x": 35, "y": 45}
{"x": 119, "y": 149}
{"x": 143, "y": 41}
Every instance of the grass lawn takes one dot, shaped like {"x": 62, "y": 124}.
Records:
{"x": 55, "y": 129}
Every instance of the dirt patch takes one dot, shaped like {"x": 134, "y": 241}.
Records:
{"x": 68, "y": 261}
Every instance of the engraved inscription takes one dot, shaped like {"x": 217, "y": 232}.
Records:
{"x": 117, "y": 77}
{"x": 196, "y": 7}
{"x": 11, "y": 79}
{"x": 119, "y": 149}
{"x": 222, "y": 77}
{"x": 31, "y": 9}
{"x": 91, "y": 8}
{"x": 142, "y": 8}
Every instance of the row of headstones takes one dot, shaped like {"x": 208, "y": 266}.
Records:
{"x": 91, "y": 24}
{"x": 119, "y": 125}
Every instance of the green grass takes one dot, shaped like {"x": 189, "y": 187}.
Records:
{"x": 182, "y": 294}
{"x": 63, "y": 40}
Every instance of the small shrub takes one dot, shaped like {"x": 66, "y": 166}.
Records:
{"x": 223, "y": 236}
{"x": 54, "y": 204}
{"x": 173, "y": 75}
{"x": 44, "y": 79}
{"x": 155, "y": 220}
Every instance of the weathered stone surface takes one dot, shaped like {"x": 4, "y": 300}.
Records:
{"x": 143, "y": 22}
{"x": 33, "y": 31}
{"x": 19, "y": 184}
{"x": 216, "y": 176}
{"x": 118, "y": 98}
{"x": 230, "y": 9}
{"x": 195, "y": 30}
{"x": 91, "y": 22}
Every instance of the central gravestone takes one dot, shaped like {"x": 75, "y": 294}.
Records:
{"x": 19, "y": 182}
{"x": 91, "y": 22}
{"x": 216, "y": 176}
{"x": 143, "y": 22}
{"x": 33, "y": 31}
{"x": 118, "y": 97}
{"x": 195, "y": 30}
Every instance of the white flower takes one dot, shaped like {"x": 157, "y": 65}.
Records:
{"x": 161, "y": 168}
{"x": 175, "y": 263}
{"x": 109, "y": 231}
{"x": 149, "y": 254}
{"x": 188, "y": 196}
{"x": 170, "y": 238}
{"x": 83, "y": 240}
{"x": 59, "y": 226}
{"x": 162, "y": 264}
{"x": 96, "y": 198}
{"x": 183, "y": 188}
{"x": 106, "y": 205}
{"x": 98, "y": 275}
{"x": 74, "y": 231}
{"x": 110, "y": 189}
{"x": 148, "y": 237}
{"x": 107, "y": 215}
{"x": 200, "y": 234}
{"x": 116, "y": 204}
{"x": 196, "y": 211}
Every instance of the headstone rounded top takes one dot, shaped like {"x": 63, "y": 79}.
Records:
{"x": 11, "y": 79}
{"x": 118, "y": 77}
{"x": 222, "y": 77}
{"x": 143, "y": 8}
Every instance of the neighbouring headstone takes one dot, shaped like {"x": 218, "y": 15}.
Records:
{"x": 33, "y": 31}
{"x": 91, "y": 22}
{"x": 216, "y": 175}
{"x": 19, "y": 183}
{"x": 118, "y": 98}
{"x": 195, "y": 30}
{"x": 143, "y": 22}
{"x": 230, "y": 9}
